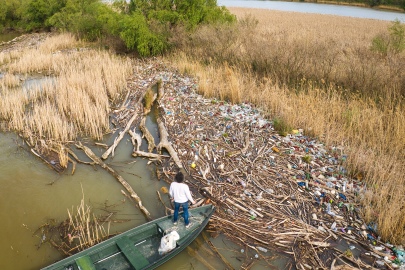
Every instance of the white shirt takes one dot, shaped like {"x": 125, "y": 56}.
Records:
{"x": 180, "y": 192}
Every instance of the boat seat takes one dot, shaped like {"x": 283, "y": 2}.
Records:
{"x": 137, "y": 260}
{"x": 85, "y": 263}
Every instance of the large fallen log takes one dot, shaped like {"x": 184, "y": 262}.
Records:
{"x": 164, "y": 143}
{"x": 122, "y": 133}
{"x": 136, "y": 139}
{"x": 98, "y": 161}
{"x": 120, "y": 136}
{"x": 148, "y": 155}
{"x": 147, "y": 134}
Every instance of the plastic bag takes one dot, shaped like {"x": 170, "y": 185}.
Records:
{"x": 168, "y": 242}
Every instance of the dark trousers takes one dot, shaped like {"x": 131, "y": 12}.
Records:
{"x": 185, "y": 211}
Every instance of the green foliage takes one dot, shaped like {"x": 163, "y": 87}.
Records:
{"x": 391, "y": 42}
{"x": 380, "y": 44}
{"x": 397, "y": 36}
{"x": 281, "y": 127}
{"x": 145, "y": 26}
{"x": 137, "y": 35}
{"x": 35, "y": 13}
{"x": 9, "y": 13}
{"x": 85, "y": 18}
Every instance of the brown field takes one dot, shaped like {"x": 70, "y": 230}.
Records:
{"x": 293, "y": 65}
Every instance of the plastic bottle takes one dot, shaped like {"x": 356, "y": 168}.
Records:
{"x": 328, "y": 208}
{"x": 253, "y": 214}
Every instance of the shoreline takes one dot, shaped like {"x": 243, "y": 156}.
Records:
{"x": 248, "y": 198}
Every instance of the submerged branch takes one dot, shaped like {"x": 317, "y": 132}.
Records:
{"x": 132, "y": 193}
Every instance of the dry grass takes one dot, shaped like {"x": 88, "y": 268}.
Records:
{"x": 76, "y": 98}
{"x": 9, "y": 81}
{"x": 84, "y": 226}
{"x": 288, "y": 65}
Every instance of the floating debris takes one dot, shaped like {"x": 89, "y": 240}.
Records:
{"x": 289, "y": 194}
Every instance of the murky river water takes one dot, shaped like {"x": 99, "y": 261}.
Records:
{"x": 8, "y": 36}
{"x": 31, "y": 194}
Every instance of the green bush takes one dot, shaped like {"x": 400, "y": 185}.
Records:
{"x": 145, "y": 26}
{"x": 35, "y": 13}
{"x": 9, "y": 13}
{"x": 391, "y": 42}
{"x": 281, "y": 126}
{"x": 136, "y": 35}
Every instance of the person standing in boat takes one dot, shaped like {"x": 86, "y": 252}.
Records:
{"x": 180, "y": 194}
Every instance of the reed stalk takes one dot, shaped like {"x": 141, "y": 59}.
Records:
{"x": 76, "y": 98}
{"x": 84, "y": 226}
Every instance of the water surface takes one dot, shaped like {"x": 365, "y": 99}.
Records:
{"x": 327, "y": 9}
{"x": 8, "y": 36}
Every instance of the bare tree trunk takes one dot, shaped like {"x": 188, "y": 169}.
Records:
{"x": 119, "y": 138}
{"x": 147, "y": 134}
{"x": 164, "y": 143}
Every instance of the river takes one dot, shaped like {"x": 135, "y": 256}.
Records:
{"x": 327, "y": 9}
{"x": 31, "y": 193}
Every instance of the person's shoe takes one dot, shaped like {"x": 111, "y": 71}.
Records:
{"x": 189, "y": 225}
{"x": 175, "y": 223}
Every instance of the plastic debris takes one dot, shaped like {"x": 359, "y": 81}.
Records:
{"x": 252, "y": 166}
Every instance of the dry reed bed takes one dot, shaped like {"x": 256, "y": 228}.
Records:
{"x": 75, "y": 100}
{"x": 373, "y": 132}
{"x": 307, "y": 47}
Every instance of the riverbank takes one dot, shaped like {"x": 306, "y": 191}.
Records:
{"x": 355, "y": 4}
{"x": 290, "y": 188}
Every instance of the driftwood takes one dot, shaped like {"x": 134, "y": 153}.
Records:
{"x": 51, "y": 158}
{"x": 271, "y": 191}
{"x": 219, "y": 255}
{"x": 167, "y": 209}
{"x": 132, "y": 193}
{"x": 136, "y": 139}
{"x": 198, "y": 257}
{"x": 120, "y": 136}
{"x": 147, "y": 110}
{"x": 164, "y": 143}
{"x": 148, "y": 155}
{"x": 147, "y": 135}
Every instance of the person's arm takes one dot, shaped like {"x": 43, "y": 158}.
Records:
{"x": 188, "y": 194}
{"x": 171, "y": 193}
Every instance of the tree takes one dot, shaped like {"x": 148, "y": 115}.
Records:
{"x": 9, "y": 13}
{"x": 391, "y": 42}
{"x": 35, "y": 13}
{"x": 136, "y": 35}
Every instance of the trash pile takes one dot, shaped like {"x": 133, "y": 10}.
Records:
{"x": 289, "y": 193}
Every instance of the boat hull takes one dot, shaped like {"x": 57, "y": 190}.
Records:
{"x": 137, "y": 248}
